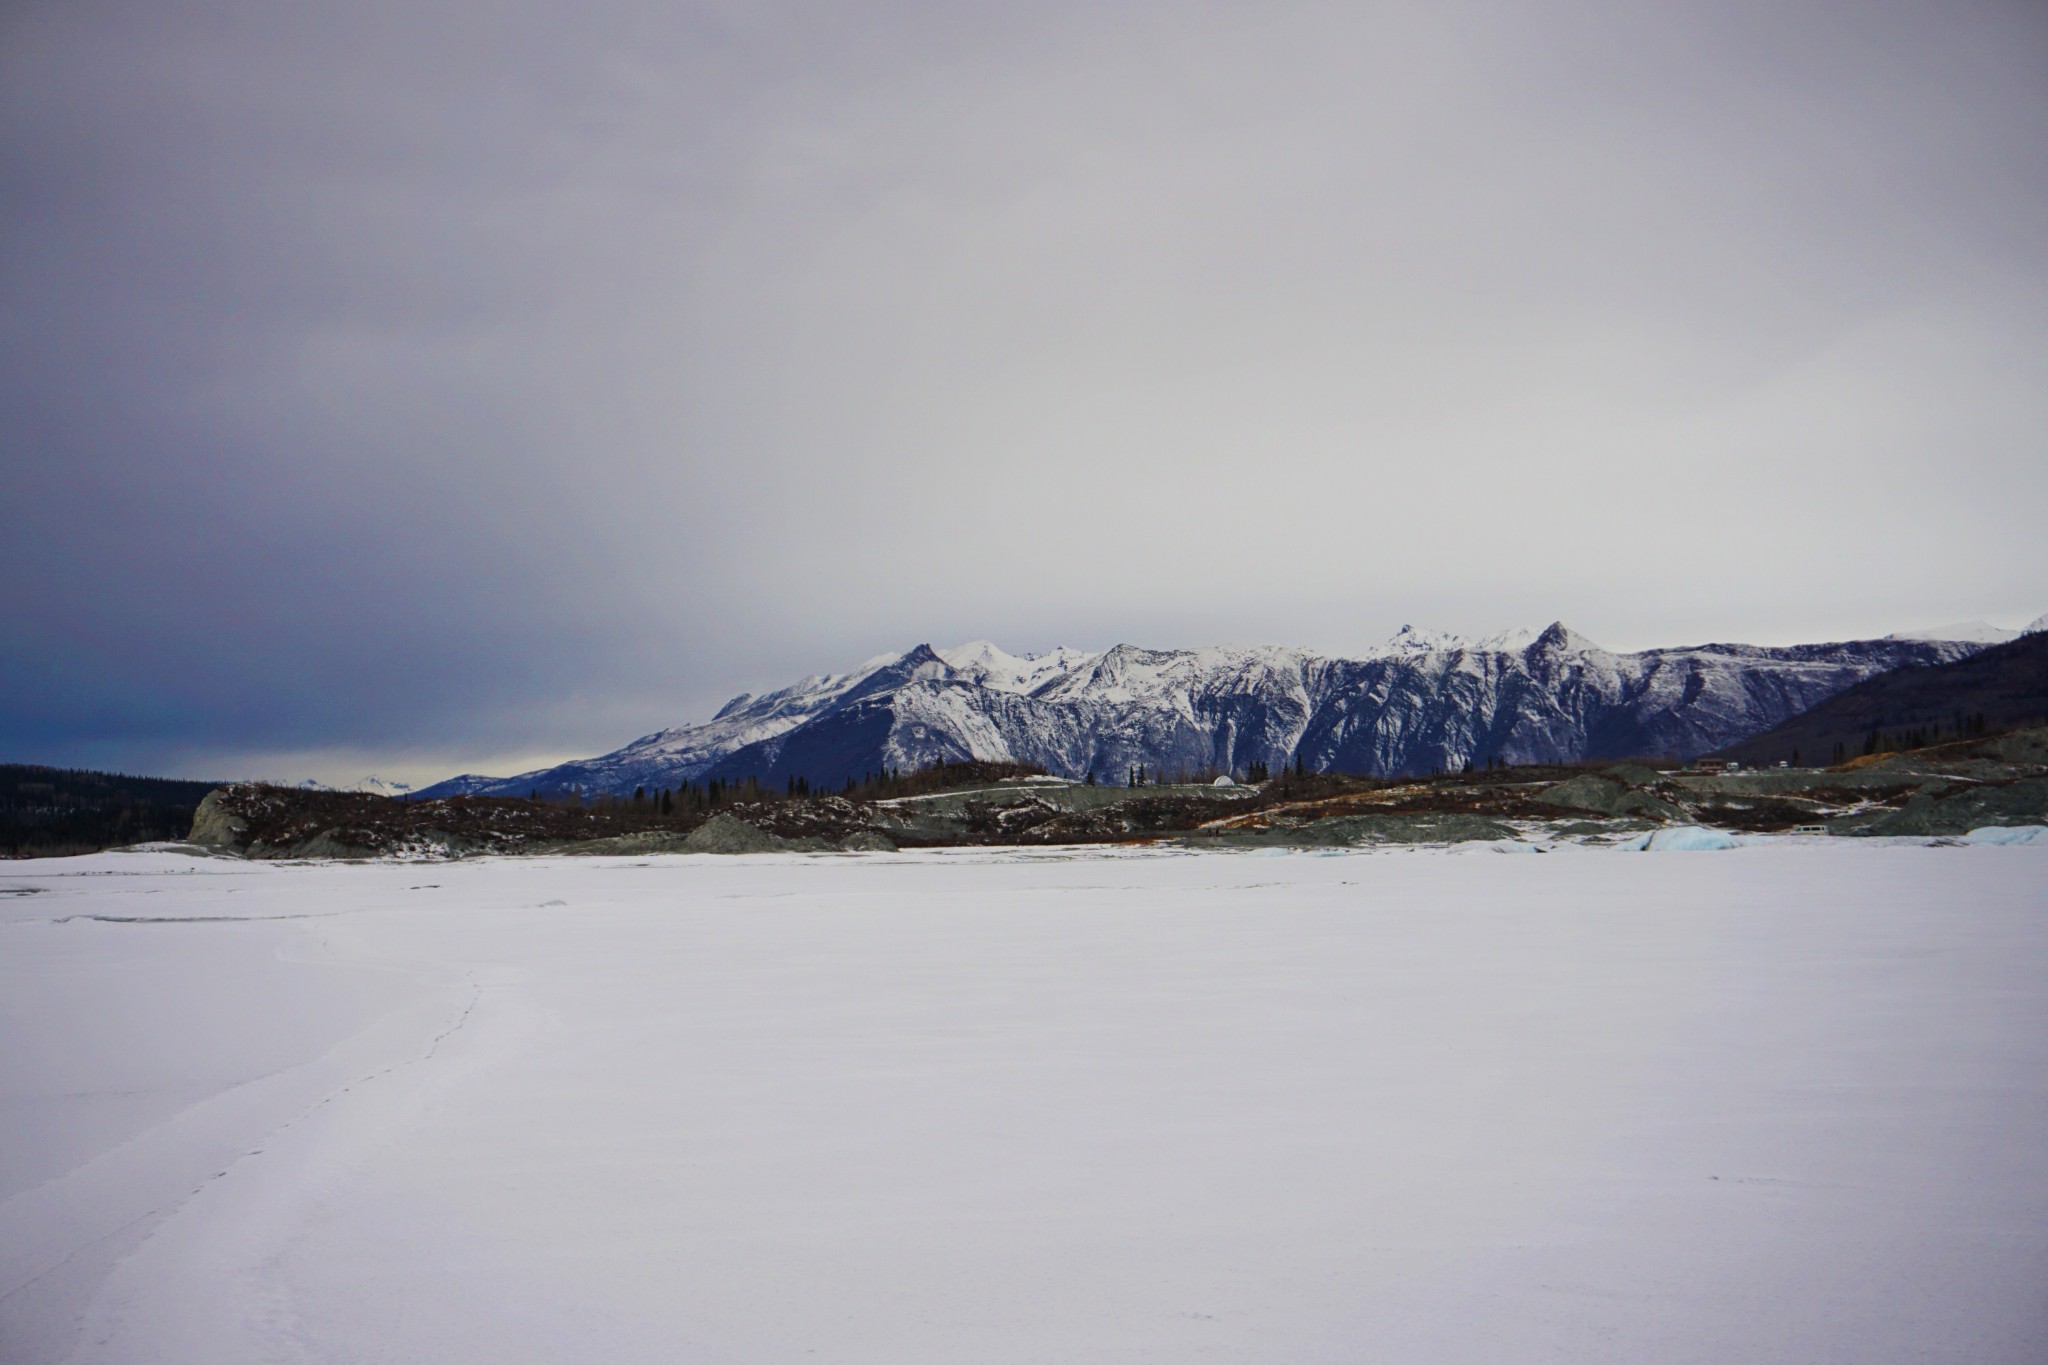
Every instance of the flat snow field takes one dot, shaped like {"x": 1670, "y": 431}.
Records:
{"x": 1783, "y": 1103}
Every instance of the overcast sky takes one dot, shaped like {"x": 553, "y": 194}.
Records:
{"x": 388, "y": 387}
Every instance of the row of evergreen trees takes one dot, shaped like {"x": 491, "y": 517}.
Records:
{"x": 45, "y": 812}
{"x": 687, "y": 797}
{"x": 1918, "y": 735}
{"x": 1143, "y": 775}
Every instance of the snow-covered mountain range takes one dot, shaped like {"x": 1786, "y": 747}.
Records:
{"x": 369, "y": 783}
{"x": 1423, "y": 701}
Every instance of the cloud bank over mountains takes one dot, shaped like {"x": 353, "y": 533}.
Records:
{"x": 384, "y": 393}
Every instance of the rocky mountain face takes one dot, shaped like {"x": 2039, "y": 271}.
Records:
{"x": 1419, "y": 704}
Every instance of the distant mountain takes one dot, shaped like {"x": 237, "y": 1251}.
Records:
{"x": 370, "y": 784}
{"x": 1998, "y": 688}
{"x": 1420, "y": 703}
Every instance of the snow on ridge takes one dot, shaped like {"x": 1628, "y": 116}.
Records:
{"x": 1511, "y": 641}
{"x": 1411, "y": 641}
{"x": 987, "y": 664}
{"x": 1128, "y": 673}
{"x": 1408, "y": 639}
{"x": 1969, "y": 632}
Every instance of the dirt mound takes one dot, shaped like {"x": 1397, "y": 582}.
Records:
{"x": 1605, "y": 796}
{"x": 2011, "y": 803}
{"x": 2021, "y": 746}
{"x": 726, "y": 833}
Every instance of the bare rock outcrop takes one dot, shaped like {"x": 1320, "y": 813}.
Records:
{"x": 214, "y": 825}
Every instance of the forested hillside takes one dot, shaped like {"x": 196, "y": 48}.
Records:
{"x": 49, "y": 811}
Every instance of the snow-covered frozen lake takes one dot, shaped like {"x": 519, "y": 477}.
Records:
{"x": 1781, "y": 1103}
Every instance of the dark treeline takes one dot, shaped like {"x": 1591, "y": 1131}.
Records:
{"x": 49, "y": 812}
{"x": 1921, "y": 733}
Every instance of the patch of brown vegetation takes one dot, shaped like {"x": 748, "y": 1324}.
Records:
{"x": 282, "y": 819}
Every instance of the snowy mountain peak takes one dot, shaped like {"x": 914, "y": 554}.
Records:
{"x": 919, "y": 664}
{"x": 1120, "y": 673}
{"x": 1416, "y": 640}
{"x": 1411, "y": 640}
{"x": 370, "y": 783}
{"x": 977, "y": 652}
{"x": 1558, "y": 638}
{"x": 988, "y": 665}
{"x": 2035, "y": 626}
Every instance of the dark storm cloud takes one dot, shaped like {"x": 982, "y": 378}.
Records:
{"x": 474, "y": 380}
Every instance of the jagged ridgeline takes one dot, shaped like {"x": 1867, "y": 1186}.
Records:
{"x": 1420, "y": 704}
